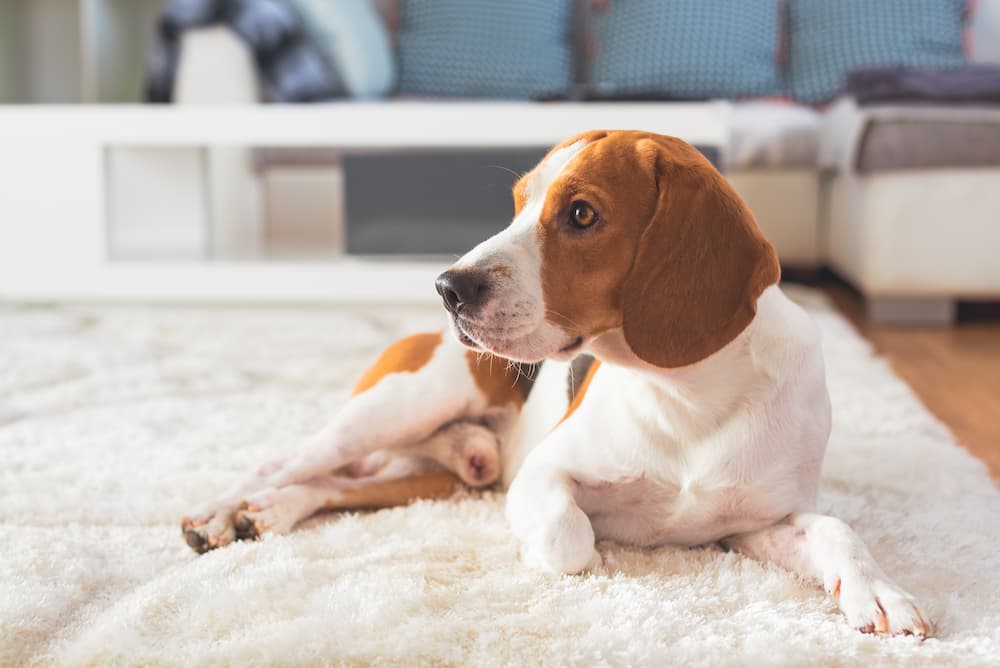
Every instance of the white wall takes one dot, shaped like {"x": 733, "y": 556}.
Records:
{"x": 64, "y": 51}
{"x": 118, "y": 33}
{"x": 50, "y": 54}
{"x": 10, "y": 45}
{"x": 986, "y": 32}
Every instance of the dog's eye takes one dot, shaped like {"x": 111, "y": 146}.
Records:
{"x": 582, "y": 215}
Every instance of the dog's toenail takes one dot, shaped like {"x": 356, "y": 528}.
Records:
{"x": 882, "y": 621}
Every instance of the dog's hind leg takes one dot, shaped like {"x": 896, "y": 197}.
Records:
{"x": 418, "y": 385}
{"x": 278, "y": 509}
{"x": 460, "y": 452}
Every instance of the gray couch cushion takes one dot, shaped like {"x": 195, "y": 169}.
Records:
{"x": 883, "y": 138}
{"x": 927, "y": 144}
{"x": 772, "y": 134}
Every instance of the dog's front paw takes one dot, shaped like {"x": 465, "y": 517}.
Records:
{"x": 546, "y": 563}
{"x": 876, "y": 605}
{"x": 204, "y": 533}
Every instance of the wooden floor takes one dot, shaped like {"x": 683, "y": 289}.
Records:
{"x": 955, "y": 371}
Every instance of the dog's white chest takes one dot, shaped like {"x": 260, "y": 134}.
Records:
{"x": 664, "y": 471}
{"x": 692, "y": 455}
{"x": 645, "y": 511}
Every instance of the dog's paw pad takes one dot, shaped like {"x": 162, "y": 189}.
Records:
{"x": 196, "y": 541}
{"x": 269, "y": 512}
{"x": 480, "y": 463}
{"x": 246, "y": 525}
{"x": 481, "y": 469}
{"x": 204, "y": 535}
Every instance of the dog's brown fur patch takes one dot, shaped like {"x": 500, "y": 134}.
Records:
{"x": 409, "y": 354}
{"x": 579, "y": 369}
{"x": 397, "y": 492}
{"x": 500, "y": 380}
{"x": 578, "y": 397}
{"x": 676, "y": 260}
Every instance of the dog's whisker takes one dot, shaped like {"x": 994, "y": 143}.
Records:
{"x": 506, "y": 169}
{"x": 566, "y": 318}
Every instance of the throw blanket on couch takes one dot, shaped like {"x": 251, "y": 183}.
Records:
{"x": 970, "y": 84}
{"x": 292, "y": 67}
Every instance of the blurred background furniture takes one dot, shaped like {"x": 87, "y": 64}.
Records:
{"x": 124, "y": 203}
{"x": 73, "y": 51}
{"x": 912, "y": 235}
{"x": 913, "y": 201}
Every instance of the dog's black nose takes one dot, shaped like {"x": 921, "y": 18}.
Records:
{"x": 460, "y": 289}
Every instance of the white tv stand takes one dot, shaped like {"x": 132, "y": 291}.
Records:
{"x": 55, "y": 186}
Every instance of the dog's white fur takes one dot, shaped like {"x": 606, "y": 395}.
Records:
{"x": 683, "y": 456}
{"x": 727, "y": 449}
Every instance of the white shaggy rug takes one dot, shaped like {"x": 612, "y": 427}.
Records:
{"x": 115, "y": 421}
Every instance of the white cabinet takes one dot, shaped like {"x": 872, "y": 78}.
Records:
{"x": 156, "y": 203}
{"x": 115, "y": 202}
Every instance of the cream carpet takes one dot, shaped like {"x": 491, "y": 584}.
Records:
{"x": 115, "y": 421}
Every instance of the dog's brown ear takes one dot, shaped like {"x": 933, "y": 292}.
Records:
{"x": 702, "y": 263}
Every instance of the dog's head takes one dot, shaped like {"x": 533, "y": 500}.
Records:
{"x": 614, "y": 231}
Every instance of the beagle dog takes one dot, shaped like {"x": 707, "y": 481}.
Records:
{"x": 682, "y": 398}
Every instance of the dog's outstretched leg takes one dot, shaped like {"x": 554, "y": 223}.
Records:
{"x": 825, "y": 549}
{"x": 418, "y": 385}
{"x": 458, "y": 453}
{"x": 425, "y": 471}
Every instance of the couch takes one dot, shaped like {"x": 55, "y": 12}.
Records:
{"x": 913, "y": 234}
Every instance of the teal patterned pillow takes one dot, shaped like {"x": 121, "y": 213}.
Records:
{"x": 352, "y": 37}
{"x": 829, "y": 38}
{"x": 688, "y": 49}
{"x": 486, "y": 48}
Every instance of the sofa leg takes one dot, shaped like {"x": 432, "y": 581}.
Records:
{"x": 909, "y": 311}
